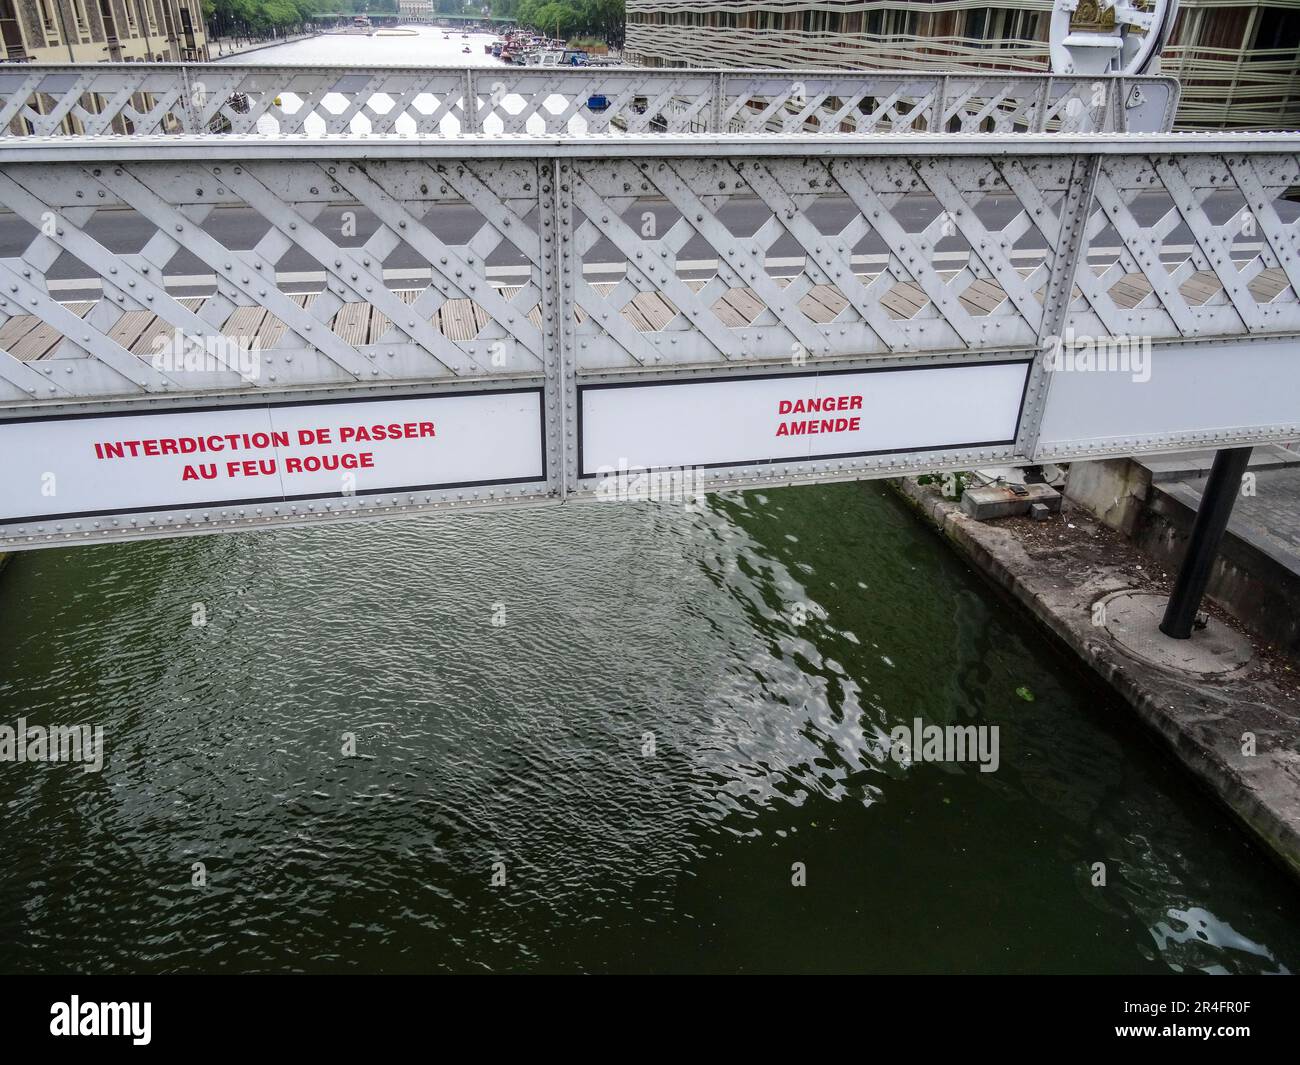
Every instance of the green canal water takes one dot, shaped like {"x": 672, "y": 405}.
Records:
{"x": 522, "y": 750}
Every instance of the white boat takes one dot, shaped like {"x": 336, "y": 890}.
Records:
{"x": 544, "y": 57}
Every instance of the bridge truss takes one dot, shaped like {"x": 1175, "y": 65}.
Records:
{"x": 568, "y": 308}
{"x": 157, "y": 98}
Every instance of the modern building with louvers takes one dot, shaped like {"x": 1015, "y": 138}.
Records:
{"x": 101, "y": 31}
{"x": 1238, "y": 60}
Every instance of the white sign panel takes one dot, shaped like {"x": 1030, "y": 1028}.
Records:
{"x": 800, "y": 417}
{"x": 91, "y": 465}
{"x": 1175, "y": 391}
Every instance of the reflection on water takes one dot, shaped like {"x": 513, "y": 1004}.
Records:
{"x": 426, "y": 48}
{"x": 644, "y": 749}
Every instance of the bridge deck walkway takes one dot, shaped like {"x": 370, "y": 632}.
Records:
{"x": 29, "y": 339}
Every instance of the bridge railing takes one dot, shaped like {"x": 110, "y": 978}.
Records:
{"x": 148, "y": 274}
{"x": 148, "y": 98}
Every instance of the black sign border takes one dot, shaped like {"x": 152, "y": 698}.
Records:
{"x": 537, "y": 390}
{"x": 1027, "y": 363}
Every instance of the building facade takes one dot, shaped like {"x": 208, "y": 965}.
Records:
{"x": 1238, "y": 60}
{"x": 101, "y": 31}
{"x": 415, "y": 10}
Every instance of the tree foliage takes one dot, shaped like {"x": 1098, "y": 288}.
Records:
{"x": 598, "y": 18}
{"x": 229, "y": 17}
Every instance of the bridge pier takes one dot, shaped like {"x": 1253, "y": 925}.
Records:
{"x": 1212, "y": 516}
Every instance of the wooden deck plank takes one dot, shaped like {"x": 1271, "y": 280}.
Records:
{"x": 457, "y": 320}
{"x": 634, "y": 315}
{"x": 36, "y": 344}
{"x": 479, "y": 316}
{"x": 1268, "y": 284}
{"x": 15, "y": 329}
{"x": 912, "y": 293}
{"x": 380, "y": 322}
{"x": 982, "y": 297}
{"x": 902, "y": 295}
{"x": 823, "y": 304}
{"x": 40, "y": 341}
{"x": 745, "y": 305}
{"x": 815, "y": 311}
{"x": 1131, "y": 291}
{"x": 1201, "y": 286}
{"x": 351, "y": 322}
{"x": 904, "y": 299}
{"x": 273, "y": 329}
{"x": 146, "y": 343}
{"x": 244, "y": 323}
{"x": 655, "y": 308}
{"x": 831, "y": 298}
{"x": 462, "y": 319}
{"x": 727, "y": 314}
{"x": 127, "y": 329}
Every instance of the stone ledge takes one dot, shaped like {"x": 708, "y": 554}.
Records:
{"x": 1200, "y": 721}
{"x": 1003, "y": 501}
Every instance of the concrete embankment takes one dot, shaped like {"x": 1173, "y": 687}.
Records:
{"x": 1153, "y": 501}
{"x": 1237, "y": 730}
{"x": 224, "y": 49}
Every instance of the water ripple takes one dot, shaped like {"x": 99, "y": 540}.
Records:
{"x": 639, "y": 716}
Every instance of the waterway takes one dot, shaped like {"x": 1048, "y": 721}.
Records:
{"x": 326, "y": 749}
{"x": 426, "y": 47}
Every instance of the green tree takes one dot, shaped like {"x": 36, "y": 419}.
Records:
{"x": 226, "y": 18}
{"x": 596, "y": 18}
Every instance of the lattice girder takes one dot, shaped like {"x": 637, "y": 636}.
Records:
{"x": 754, "y": 258}
{"x": 406, "y": 337}
{"x": 162, "y": 98}
{"x": 1195, "y": 277}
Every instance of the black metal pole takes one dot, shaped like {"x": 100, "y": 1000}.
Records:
{"x": 1221, "y": 491}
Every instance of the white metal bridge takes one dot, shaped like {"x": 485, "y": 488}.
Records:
{"x": 293, "y": 294}
{"x": 151, "y": 98}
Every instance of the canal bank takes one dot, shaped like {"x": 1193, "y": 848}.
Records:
{"x": 1235, "y": 724}
{"x": 227, "y": 48}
